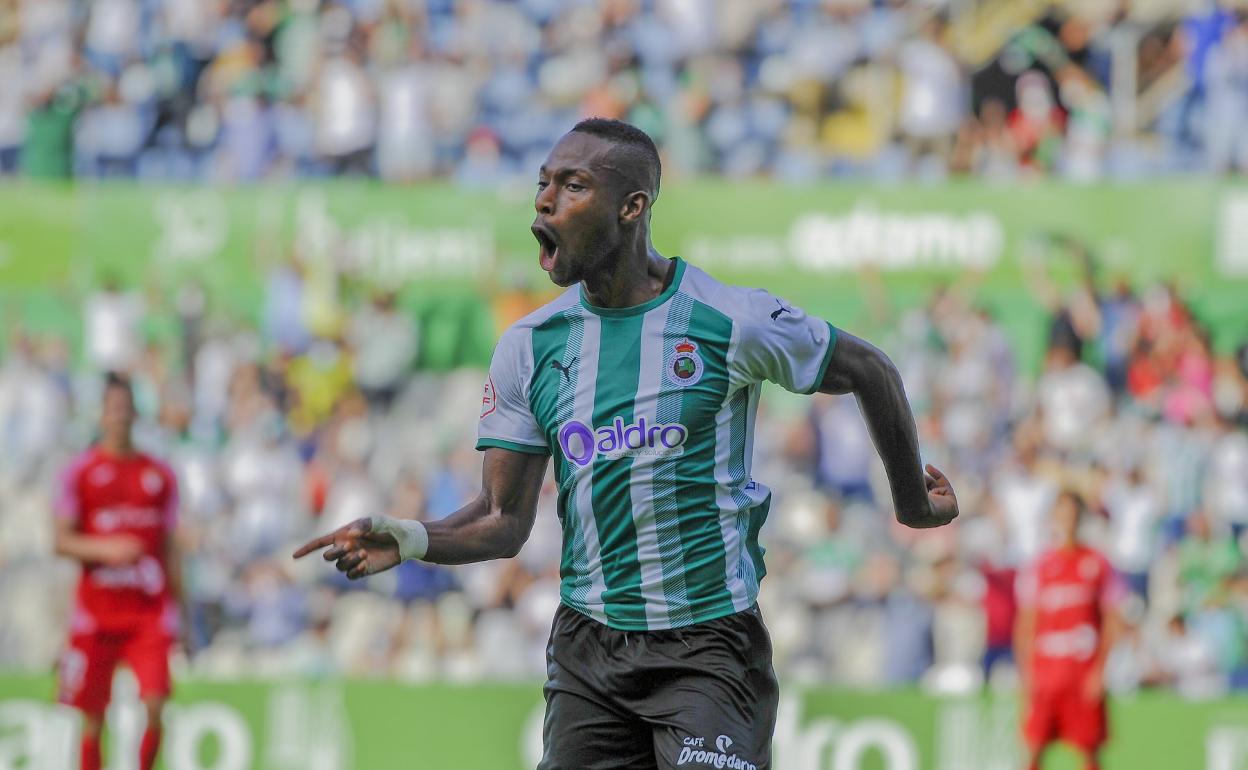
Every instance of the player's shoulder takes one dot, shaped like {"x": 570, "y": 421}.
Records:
{"x": 743, "y": 304}
{"x": 569, "y": 298}
{"x": 150, "y": 463}
{"x": 1094, "y": 552}
{"x": 157, "y": 462}
{"x": 1093, "y": 563}
{"x": 515, "y": 343}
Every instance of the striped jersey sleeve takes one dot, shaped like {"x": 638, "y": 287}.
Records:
{"x": 507, "y": 420}
{"x": 779, "y": 342}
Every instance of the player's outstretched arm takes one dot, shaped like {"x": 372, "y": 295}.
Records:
{"x": 920, "y": 500}
{"x": 109, "y": 550}
{"x": 494, "y": 525}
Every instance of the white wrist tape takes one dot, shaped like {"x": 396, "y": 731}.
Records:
{"x": 412, "y": 537}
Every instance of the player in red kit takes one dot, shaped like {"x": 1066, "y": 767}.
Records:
{"x": 1067, "y": 623}
{"x": 116, "y": 510}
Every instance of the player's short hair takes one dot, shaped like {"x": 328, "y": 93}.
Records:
{"x": 118, "y": 380}
{"x": 1075, "y": 499}
{"x": 636, "y": 145}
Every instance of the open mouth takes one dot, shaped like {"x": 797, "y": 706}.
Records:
{"x": 548, "y": 249}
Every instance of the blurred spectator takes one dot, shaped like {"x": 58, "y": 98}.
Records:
{"x": 112, "y": 34}
{"x": 1119, "y": 314}
{"x": 1000, "y": 608}
{"x": 1206, "y": 557}
{"x": 109, "y": 135}
{"x": 830, "y": 562}
{"x": 345, "y": 106}
{"x": 405, "y": 148}
{"x": 284, "y": 323}
{"x": 1220, "y": 627}
{"x": 908, "y": 620}
{"x": 385, "y": 349}
{"x": 1226, "y": 482}
{"x": 33, "y": 410}
{"x": 1037, "y": 124}
{"x": 1088, "y": 128}
{"x": 1134, "y": 519}
{"x": 12, "y": 122}
{"x": 933, "y": 92}
{"x": 1228, "y": 100}
{"x": 417, "y": 581}
{"x": 843, "y": 450}
{"x": 985, "y": 145}
{"x": 111, "y": 320}
{"x": 317, "y": 379}
{"x": 261, "y": 472}
{"x": 1188, "y": 663}
{"x": 1201, "y": 34}
{"x": 269, "y": 603}
{"x": 352, "y": 493}
{"x": 1074, "y": 400}
{"x": 48, "y": 149}
{"x": 1026, "y": 496}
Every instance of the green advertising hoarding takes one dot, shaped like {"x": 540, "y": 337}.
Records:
{"x": 341, "y": 725}
{"x": 835, "y": 249}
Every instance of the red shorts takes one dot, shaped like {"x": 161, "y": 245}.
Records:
{"x": 87, "y": 666}
{"x": 1067, "y": 715}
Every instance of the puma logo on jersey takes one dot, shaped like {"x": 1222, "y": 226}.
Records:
{"x": 567, "y": 370}
{"x": 780, "y": 309}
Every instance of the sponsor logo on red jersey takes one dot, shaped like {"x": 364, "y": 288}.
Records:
{"x": 1070, "y": 590}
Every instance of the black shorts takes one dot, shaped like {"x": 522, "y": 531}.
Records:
{"x": 627, "y": 700}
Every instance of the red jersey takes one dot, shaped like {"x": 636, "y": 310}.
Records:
{"x": 999, "y": 604}
{"x": 134, "y": 495}
{"x": 1070, "y": 591}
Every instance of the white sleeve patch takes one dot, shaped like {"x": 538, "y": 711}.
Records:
{"x": 505, "y": 413}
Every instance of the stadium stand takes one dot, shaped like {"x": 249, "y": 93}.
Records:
{"x": 243, "y": 90}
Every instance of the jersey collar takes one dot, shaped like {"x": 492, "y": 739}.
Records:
{"x": 621, "y": 312}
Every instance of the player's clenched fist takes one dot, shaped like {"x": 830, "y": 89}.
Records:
{"x": 940, "y": 494}
{"x": 356, "y": 549}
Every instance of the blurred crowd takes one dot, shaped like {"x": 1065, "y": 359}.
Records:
{"x": 477, "y": 90}
{"x": 278, "y": 432}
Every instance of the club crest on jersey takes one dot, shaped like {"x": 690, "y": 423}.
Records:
{"x": 101, "y": 475}
{"x": 684, "y": 365}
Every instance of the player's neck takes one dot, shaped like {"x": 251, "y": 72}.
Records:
{"x": 116, "y": 447}
{"x": 642, "y": 274}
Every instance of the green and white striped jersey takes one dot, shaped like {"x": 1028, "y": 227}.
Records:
{"x": 648, "y": 412}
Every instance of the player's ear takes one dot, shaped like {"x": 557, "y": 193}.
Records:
{"x": 634, "y": 207}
